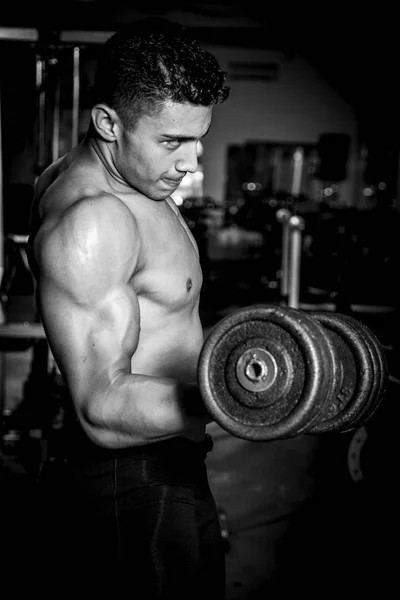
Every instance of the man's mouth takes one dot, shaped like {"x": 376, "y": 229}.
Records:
{"x": 173, "y": 181}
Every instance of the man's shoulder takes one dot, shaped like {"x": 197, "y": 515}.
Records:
{"x": 97, "y": 204}
{"x": 100, "y": 219}
{"x": 96, "y": 234}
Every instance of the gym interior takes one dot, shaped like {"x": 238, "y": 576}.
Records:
{"x": 294, "y": 206}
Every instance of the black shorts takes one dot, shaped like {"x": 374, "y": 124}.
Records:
{"x": 140, "y": 521}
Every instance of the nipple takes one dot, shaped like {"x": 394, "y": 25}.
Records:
{"x": 189, "y": 285}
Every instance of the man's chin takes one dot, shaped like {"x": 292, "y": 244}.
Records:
{"x": 161, "y": 194}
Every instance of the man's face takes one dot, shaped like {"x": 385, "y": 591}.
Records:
{"x": 155, "y": 157}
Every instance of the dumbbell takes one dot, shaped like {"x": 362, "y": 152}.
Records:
{"x": 273, "y": 372}
{"x": 363, "y": 376}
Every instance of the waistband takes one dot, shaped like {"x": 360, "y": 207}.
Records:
{"x": 84, "y": 449}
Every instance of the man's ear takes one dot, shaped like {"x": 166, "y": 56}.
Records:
{"x": 106, "y": 122}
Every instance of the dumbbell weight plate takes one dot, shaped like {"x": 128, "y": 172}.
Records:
{"x": 380, "y": 370}
{"x": 265, "y": 372}
{"x": 356, "y": 379}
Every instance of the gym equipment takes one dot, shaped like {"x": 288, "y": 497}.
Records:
{"x": 380, "y": 371}
{"x": 283, "y": 216}
{"x": 355, "y": 369}
{"x": 265, "y": 372}
{"x": 292, "y": 228}
{"x": 296, "y": 226}
{"x": 272, "y": 372}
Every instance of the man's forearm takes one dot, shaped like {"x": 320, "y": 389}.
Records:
{"x": 139, "y": 409}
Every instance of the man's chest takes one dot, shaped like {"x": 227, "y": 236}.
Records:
{"x": 170, "y": 272}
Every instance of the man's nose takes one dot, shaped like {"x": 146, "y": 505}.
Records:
{"x": 188, "y": 161}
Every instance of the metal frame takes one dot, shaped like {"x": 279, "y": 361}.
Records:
{"x": 28, "y": 34}
{"x": 35, "y": 331}
{"x": 67, "y": 37}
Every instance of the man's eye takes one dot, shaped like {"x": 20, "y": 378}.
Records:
{"x": 172, "y": 143}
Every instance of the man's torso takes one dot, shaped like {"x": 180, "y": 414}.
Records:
{"x": 167, "y": 279}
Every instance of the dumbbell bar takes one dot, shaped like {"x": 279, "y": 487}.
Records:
{"x": 268, "y": 372}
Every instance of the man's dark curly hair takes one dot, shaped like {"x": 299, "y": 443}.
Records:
{"x": 154, "y": 61}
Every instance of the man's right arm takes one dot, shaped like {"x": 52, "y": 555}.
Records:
{"x": 91, "y": 316}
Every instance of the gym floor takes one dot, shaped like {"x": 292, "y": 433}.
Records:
{"x": 295, "y": 516}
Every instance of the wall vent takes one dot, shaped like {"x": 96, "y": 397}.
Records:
{"x": 253, "y": 71}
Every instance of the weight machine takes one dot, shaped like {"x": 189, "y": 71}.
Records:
{"x": 49, "y": 54}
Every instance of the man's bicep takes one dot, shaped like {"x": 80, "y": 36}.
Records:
{"x": 88, "y": 306}
{"x": 91, "y": 342}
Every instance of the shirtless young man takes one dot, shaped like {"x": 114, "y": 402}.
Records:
{"x": 118, "y": 284}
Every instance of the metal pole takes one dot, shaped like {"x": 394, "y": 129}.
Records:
{"x": 296, "y": 226}
{"x": 298, "y": 162}
{"x": 75, "y": 95}
{"x": 41, "y": 120}
{"x": 19, "y": 33}
{"x": 2, "y": 316}
{"x": 55, "y": 145}
{"x": 1, "y": 219}
{"x": 283, "y": 215}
